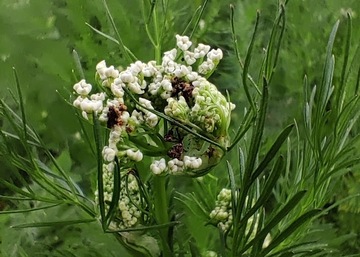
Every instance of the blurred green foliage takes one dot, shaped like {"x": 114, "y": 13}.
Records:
{"x": 38, "y": 39}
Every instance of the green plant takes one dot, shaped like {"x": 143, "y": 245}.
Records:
{"x": 272, "y": 193}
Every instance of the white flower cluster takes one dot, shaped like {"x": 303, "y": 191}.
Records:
{"x": 127, "y": 213}
{"x": 177, "y": 87}
{"x": 175, "y": 166}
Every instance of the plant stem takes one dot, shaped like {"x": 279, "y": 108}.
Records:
{"x": 161, "y": 212}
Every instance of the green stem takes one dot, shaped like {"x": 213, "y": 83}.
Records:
{"x": 157, "y": 38}
{"x": 161, "y": 212}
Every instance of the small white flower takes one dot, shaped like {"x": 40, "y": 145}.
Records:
{"x": 170, "y": 55}
{"x": 149, "y": 69}
{"x": 192, "y": 162}
{"x": 151, "y": 119}
{"x": 135, "y": 87}
{"x": 166, "y": 85}
{"x": 154, "y": 88}
{"x": 100, "y": 69}
{"x": 77, "y": 101}
{"x": 111, "y": 72}
{"x": 165, "y": 95}
{"x": 182, "y": 71}
{"x": 134, "y": 155}
{"x": 215, "y": 55}
{"x": 175, "y": 166}
{"x": 145, "y": 103}
{"x": 206, "y": 67}
{"x": 136, "y": 118}
{"x": 127, "y": 76}
{"x": 136, "y": 68}
{"x": 169, "y": 65}
{"x": 158, "y": 167}
{"x": 90, "y": 106}
{"x": 192, "y": 76}
{"x": 115, "y": 137}
{"x": 117, "y": 90}
{"x": 85, "y": 115}
{"x": 82, "y": 88}
{"x": 108, "y": 154}
{"x": 201, "y": 50}
{"x": 189, "y": 57}
{"x": 98, "y": 96}
{"x": 183, "y": 42}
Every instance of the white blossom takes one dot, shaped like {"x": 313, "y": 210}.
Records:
{"x": 134, "y": 155}
{"x": 135, "y": 87}
{"x": 201, "y": 50}
{"x": 158, "y": 167}
{"x": 82, "y": 88}
{"x": 108, "y": 154}
{"x": 111, "y": 72}
{"x": 166, "y": 85}
{"x": 136, "y": 68}
{"x": 175, "y": 166}
{"x": 100, "y": 69}
{"x": 215, "y": 55}
{"x": 182, "y": 71}
{"x": 192, "y": 162}
{"x": 206, "y": 67}
{"x": 127, "y": 76}
{"x": 189, "y": 57}
{"x": 183, "y": 42}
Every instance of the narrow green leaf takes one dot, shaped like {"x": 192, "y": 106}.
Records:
{"x": 247, "y": 63}
{"x": 243, "y": 128}
{"x": 30, "y": 210}
{"x": 341, "y": 91}
{"x": 22, "y": 108}
{"x": 198, "y": 18}
{"x": 53, "y": 223}
{"x": 326, "y": 83}
{"x": 265, "y": 194}
{"x": 232, "y": 186}
{"x": 272, "y": 152}
{"x": 236, "y": 47}
{"x": 193, "y": 17}
{"x": 115, "y": 194}
{"x": 274, "y": 42}
{"x": 103, "y": 34}
{"x": 293, "y": 248}
{"x": 146, "y": 228}
{"x": 290, "y": 230}
{"x": 78, "y": 64}
{"x": 276, "y": 218}
{"x": 258, "y": 130}
{"x": 100, "y": 182}
{"x": 15, "y": 189}
{"x": 127, "y": 53}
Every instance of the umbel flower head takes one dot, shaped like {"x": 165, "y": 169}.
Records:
{"x": 166, "y": 111}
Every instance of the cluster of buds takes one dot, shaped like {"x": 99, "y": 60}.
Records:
{"x": 222, "y": 216}
{"x": 127, "y": 213}
{"x": 130, "y": 100}
{"x": 222, "y": 213}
